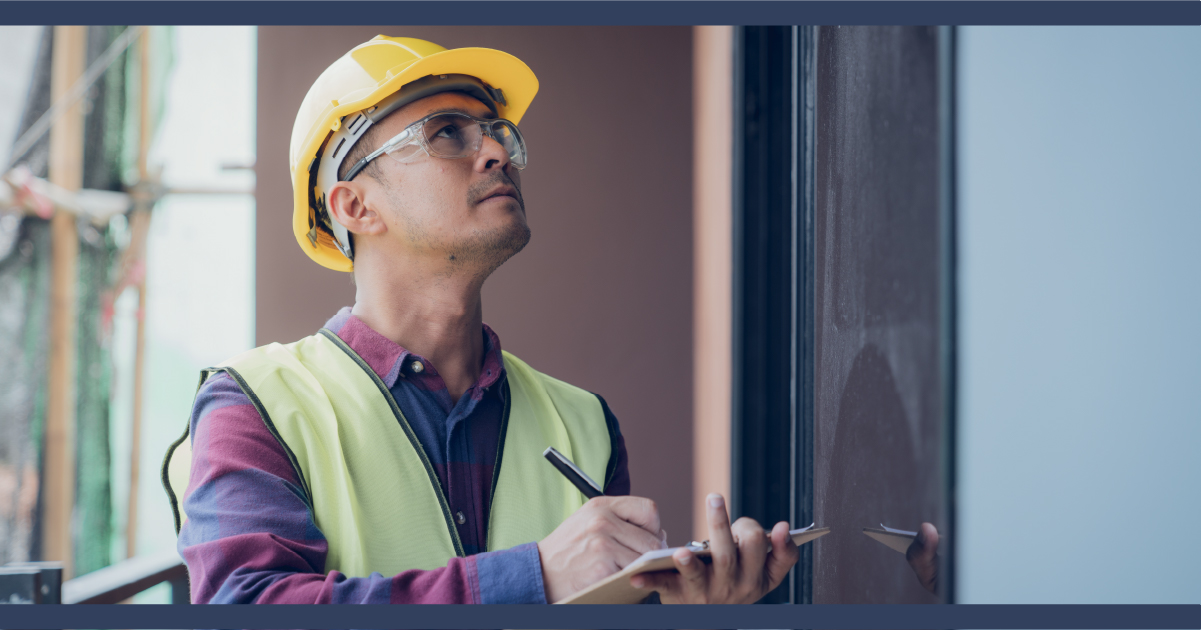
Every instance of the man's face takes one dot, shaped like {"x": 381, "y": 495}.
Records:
{"x": 467, "y": 211}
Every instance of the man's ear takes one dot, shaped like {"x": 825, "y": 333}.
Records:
{"x": 347, "y": 206}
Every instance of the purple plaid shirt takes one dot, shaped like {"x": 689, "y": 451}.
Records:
{"x": 250, "y": 538}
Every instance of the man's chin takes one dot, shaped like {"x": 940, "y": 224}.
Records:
{"x": 490, "y": 249}
{"x": 518, "y": 236}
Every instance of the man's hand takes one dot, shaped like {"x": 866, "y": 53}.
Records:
{"x": 923, "y": 557}
{"x": 742, "y": 570}
{"x": 598, "y": 540}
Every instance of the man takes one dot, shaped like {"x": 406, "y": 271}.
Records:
{"x": 395, "y": 455}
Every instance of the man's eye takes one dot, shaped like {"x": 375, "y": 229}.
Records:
{"x": 448, "y": 131}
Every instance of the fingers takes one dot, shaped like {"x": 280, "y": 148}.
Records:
{"x": 749, "y": 536}
{"x": 633, "y": 537}
{"x": 784, "y": 554}
{"x": 637, "y": 510}
{"x": 923, "y": 557}
{"x": 752, "y": 549}
{"x": 665, "y": 582}
{"x": 924, "y": 546}
{"x": 601, "y": 538}
{"x": 929, "y": 535}
{"x": 689, "y": 585}
{"x": 623, "y": 557}
{"x": 624, "y": 522}
{"x": 721, "y": 539}
{"x": 693, "y": 581}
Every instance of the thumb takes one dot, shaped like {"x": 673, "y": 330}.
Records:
{"x": 923, "y": 557}
{"x": 784, "y": 554}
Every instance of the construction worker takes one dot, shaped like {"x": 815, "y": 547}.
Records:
{"x": 395, "y": 455}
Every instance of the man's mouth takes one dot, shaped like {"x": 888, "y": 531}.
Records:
{"x": 507, "y": 192}
{"x": 502, "y": 191}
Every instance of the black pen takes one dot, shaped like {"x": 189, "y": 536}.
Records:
{"x": 583, "y": 482}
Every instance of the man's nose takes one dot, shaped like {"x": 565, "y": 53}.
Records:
{"x": 491, "y": 155}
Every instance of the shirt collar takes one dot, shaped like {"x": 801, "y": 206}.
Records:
{"x": 388, "y": 358}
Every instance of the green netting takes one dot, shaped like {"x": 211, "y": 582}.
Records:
{"x": 93, "y": 500}
{"x": 24, "y": 309}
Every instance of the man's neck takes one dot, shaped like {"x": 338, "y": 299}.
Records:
{"x": 437, "y": 317}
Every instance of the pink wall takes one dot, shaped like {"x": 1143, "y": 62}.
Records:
{"x": 602, "y": 296}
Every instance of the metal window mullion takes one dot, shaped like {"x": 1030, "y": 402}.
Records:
{"x": 804, "y": 52}
{"x": 948, "y": 330}
{"x": 796, "y": 577}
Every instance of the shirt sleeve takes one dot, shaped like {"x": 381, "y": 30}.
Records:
{"x": 249, "y": 536}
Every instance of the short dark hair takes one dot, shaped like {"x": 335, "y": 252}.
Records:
{"x": 360, "y": 150}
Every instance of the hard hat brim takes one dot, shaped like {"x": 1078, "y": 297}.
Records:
{"x": 496, "y": 68}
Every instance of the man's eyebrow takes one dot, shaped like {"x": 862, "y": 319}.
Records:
{"x": 459, "y": 110}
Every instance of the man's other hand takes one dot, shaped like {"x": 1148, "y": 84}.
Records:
{"x": 598, "y": 540}
{"x": 742, "y": 570}
{"x": 923, "y": 557}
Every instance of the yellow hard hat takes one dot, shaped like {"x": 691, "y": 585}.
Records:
{"x": 362, "y": 87}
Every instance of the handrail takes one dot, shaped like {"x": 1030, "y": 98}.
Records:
{"x": 127, "y": 578}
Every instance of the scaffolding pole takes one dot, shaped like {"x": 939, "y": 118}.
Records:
{"x": 145, "y": 192}
{"x": 66, "y": 171}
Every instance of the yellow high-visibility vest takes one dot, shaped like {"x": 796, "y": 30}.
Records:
{"x": 368, "y": 482}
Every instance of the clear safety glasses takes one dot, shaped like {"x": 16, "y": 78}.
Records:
{"x": 449, "y": 135}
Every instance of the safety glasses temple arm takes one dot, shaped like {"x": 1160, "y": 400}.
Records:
{"x": 398, "y": 140}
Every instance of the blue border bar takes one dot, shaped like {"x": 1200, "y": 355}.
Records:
{"x": 605, "y": 12}
{"x": 435, "y": 617}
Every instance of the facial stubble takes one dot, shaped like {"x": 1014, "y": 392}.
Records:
{"x": 483, "y": 250}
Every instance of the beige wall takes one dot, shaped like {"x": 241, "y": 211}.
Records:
{"x": 713, "y": 257}
{"x": 603, "y": 295}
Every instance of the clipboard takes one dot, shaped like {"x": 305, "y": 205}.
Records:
{"x": 616, "y": 589}
{"x": 895, "y": 539}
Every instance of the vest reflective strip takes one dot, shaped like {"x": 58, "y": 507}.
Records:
{"x": 373, "y": 493}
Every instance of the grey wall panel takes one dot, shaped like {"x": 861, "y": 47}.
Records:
{"x": 1080, "y": 149}
{"x": 877, "y": 427}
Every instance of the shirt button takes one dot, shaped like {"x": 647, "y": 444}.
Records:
{"x": 460, "y": 518}
{"x": 417, "y": 367}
